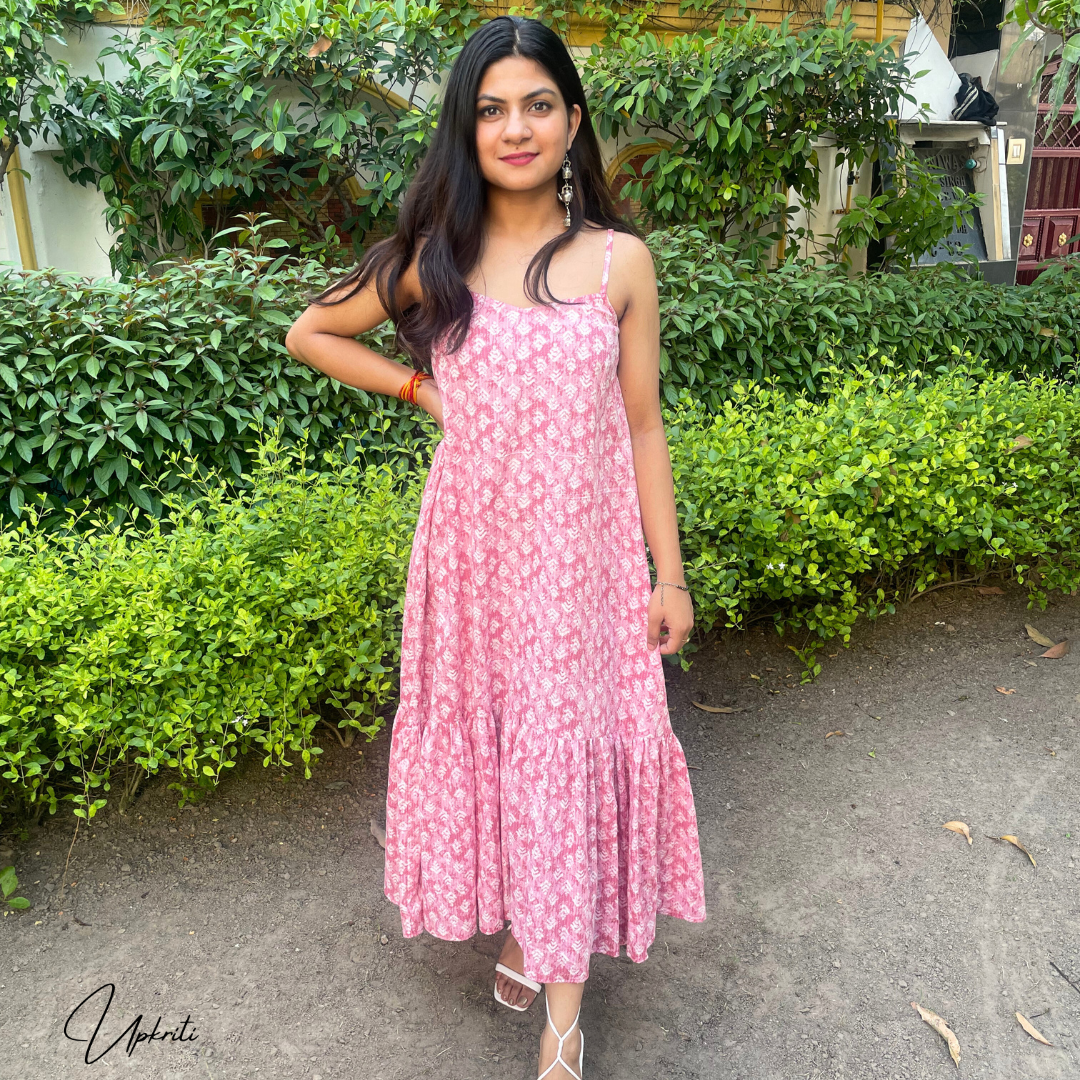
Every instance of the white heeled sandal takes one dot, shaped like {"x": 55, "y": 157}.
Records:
{"x": 510, "y": 973}
{"x": 559, "y": 1059}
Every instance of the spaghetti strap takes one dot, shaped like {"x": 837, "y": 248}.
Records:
{"x": 607, "y": 262}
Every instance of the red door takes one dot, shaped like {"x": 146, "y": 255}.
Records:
{"x": 1052, "y": 210}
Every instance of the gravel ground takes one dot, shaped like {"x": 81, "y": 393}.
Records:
{"x": 255, "y": 927}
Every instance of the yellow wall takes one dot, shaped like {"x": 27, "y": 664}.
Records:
{"x": 668, "y": 22}
{"x": 896, "y": 21}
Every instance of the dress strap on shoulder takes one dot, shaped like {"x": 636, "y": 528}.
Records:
{"x": 607, "y": 261}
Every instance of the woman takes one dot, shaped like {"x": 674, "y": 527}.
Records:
{"x": 534, "y": 775}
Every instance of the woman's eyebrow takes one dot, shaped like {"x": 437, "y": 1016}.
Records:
{"x": 525, "y": 97}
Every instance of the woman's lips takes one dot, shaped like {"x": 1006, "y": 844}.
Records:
{"x": 519, "y": 159}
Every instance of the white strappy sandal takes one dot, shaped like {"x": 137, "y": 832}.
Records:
{"x": 559, "y": 1059}
{"x": 510, "y": 973}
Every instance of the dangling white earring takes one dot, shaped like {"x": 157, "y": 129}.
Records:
{"x": 566, "y": 195}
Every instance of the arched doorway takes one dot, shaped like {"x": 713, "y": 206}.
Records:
{"x": 635, "y": 157}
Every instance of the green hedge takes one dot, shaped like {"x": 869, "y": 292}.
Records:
{"x": 127, "y": 654}
{"x": 723, "y": 321}
{"x": 105, "y": 386}
{"x": 818, "y": 512}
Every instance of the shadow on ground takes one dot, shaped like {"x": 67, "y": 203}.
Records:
{"x": 835, "y": 898}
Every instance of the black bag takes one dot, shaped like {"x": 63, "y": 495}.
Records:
{"x": 973, "y": 102}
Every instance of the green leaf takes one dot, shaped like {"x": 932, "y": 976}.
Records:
{"x": 95, "y": 446}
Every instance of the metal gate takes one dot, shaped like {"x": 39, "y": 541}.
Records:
{"x": 1052, "y": 207}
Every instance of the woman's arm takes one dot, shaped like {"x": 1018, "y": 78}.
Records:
{"x": 323, "y": 338}
{"x": 633, "y": 291}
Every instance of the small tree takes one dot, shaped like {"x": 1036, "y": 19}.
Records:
{"x": 237, "y": 101}
{"x": 740, "y": 108}
{"x": 29, "y": 75}
{"x": 334, "y": 61}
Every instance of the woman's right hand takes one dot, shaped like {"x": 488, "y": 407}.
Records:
{"x": 429, "y": 398}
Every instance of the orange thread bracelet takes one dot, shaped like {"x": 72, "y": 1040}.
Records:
{"x": 408, "y": 389}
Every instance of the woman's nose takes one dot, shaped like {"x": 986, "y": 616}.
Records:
{"x": 517, "y": 126}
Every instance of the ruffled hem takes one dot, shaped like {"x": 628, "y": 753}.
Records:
{"x": 579, "y": 842}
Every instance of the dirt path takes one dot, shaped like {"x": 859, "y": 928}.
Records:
{"x": 835, "y": 897}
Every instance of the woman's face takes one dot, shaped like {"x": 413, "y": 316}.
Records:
{"x": 523, "y": 128}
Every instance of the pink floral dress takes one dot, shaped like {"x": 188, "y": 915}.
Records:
{"x": 534, "y": 775}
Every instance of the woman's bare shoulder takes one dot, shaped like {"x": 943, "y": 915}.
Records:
{"x": 632, "y": 278}
{"x": 631, "y": 251}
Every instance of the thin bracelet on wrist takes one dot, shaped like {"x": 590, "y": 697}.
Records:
{"x": 674, "y": 585}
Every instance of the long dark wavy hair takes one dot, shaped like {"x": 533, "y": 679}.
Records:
{"x": 444, "y": 204}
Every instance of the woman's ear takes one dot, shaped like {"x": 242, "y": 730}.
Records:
{"x": 575, "y": 123}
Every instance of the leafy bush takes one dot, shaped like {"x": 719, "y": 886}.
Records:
{"x": 104, "y": 385}
{"x": 740, "y": 109}
{"x": 125, "y": 654}
{"x": 723, "y": 321}
{"x": 128, "y": 653}
{"x": 231, "y": 101}
{"x": 818, "y": 512}
{"x": 27, "y": 30}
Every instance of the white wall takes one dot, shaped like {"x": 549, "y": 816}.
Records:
{"x": 67, "y": 220}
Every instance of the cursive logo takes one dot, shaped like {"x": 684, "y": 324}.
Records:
{"x": 135, "y": 1036}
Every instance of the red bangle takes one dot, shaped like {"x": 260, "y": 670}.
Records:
{"x": 408, "y": 389}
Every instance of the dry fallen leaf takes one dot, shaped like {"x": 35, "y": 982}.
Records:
{"x": 958, "y": 827}
{"x": 1057, "y": 652}
{"x": 830, "y": 734}
{"x": 1050, "y": 750}
{"x": 319, "y": 47}
{"x": 1016, "y": 843}
{"x": 942, "y": 1029}
{"x": 1021, "y": 441}
{"x": 1037, "y": 636}
{"x": 379, "y": 833}
{"x": 1026, "y": 1024}
{"x": 989, "y": 590}
{"x": 1002, "y": 690}
{"x": 717, "y": 708}
{"x": 1031, "y": 663}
